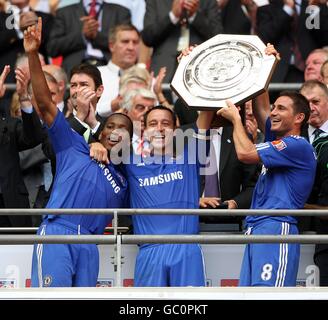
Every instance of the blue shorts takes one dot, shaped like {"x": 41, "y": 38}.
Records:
{"x": 64, "y": 265}
{"x": 169, "y": 265}
{"x": 270, "y": 264}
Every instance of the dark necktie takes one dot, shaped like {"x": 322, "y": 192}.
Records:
{"x": 317, "y": 133}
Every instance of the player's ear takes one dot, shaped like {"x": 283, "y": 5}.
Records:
{"x": 300, "y": 117}
{"x": 99, "y": 91}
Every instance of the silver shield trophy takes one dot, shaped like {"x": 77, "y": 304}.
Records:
{"x": 225, "y": 67}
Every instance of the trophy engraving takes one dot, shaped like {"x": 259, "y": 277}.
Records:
{"x": 224, "y": 67}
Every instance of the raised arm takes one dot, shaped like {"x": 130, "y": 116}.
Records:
{"x": 32, "y": 41}
{"x": 261, "y": 104}
{"x": 245, "y": 149}
{"x": 204, "y": 120}
{"x": 261, "y": 109}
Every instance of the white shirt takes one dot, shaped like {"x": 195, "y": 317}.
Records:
{"x": 311, "y": 130}
{"x": 61, "y": 106}
{"x": 43, "y": 6}
{"x": 111, "y": 79}
{"x": 137, "y": 9}
{"x": 290, "y": 11}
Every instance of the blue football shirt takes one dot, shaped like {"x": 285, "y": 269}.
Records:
{"x": 287, "y": 176}
{"x": 81, "y": 182}
{"x": 167, "y": 182}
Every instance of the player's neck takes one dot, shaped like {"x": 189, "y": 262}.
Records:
{"x": 292, "y": 132}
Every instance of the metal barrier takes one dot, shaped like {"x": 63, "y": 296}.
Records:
{"x": 200, "y": 212}
{"x": 118, "y": 240}
{"x": 25, "y": 230}
{"x": 166, "y": 86}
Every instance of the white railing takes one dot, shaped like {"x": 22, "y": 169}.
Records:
{"x": 118, "y": 239}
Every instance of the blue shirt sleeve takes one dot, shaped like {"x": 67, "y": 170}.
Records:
{"x": 61, "y": 134}
{"x": 292, "y": 151}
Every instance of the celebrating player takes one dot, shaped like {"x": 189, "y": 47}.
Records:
{"x": 79, "y": 183}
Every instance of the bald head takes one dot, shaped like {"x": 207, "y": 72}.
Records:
{"x": 60, "y": 75}
{"x": 313, "y": 64}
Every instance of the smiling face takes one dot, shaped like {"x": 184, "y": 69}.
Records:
{"x": 160, "y": 130}
{"x": 284, "y": 120}
{"x": 116, "y": 129}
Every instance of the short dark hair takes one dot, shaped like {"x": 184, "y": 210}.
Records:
{"x": 300, "y": 104}
{"x": 121, "y": 27}
{"x": 105, "y": 120}
{"x": 160, "y": 107}
{"x": 90, "y": 70}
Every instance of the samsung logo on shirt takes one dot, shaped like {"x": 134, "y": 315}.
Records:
{"x": 110, "y": 178}
{"x": 160, "y": 179}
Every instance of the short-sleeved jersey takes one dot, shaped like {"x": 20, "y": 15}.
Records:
{"x": 287, "y": 176}
{"x": 81, "y": 182}
{"x": 172, "y": 184}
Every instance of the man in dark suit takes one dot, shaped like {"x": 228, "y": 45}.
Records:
{"x": 18, "y": 16}
{"x": 15, "y": 136}
{"x": 238, "y": 16}
{"x": 288, "y": 25}
{"x": 317, "y": 133}
{"x": 78, "y": 36}
{"x": 234, "y": 180}
{"x": 169, "y": 23}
